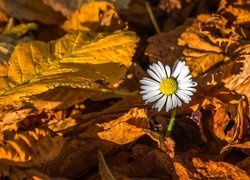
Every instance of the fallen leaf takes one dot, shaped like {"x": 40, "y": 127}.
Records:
{"x": 68, "y": 57}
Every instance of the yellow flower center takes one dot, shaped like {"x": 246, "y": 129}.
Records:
{"x": 168, "y": 86}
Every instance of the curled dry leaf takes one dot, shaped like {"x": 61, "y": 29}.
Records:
{"x": 95, "y": 16}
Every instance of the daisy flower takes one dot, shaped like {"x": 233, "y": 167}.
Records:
{"x": 167, "y": 87}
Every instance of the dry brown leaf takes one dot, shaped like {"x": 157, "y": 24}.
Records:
{"x": 142, "y": 161}
{"x": 183, "y": 173}
{"x": 245, "y": 164}
{"x": 199, "y": 169}
{"x": 219, "y": 124}
{"x": 212, "y": 169}
{"x": 31, "y": 148}
{"x": 17, "y": 173}
{"x": 77, "y": 157}
{"x": 64, "y": 6}
{"x": 165, "y": 144}
{"x": 199, "y": 53}
{"x": 94, "y": 16}
{"x": 123, "y": 130}
{"x": 30, "y": 10}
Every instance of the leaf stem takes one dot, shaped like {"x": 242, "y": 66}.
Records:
{"x": 171, "y": 123}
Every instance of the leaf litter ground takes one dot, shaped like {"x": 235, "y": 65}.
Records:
{"x": 69, "y": 101}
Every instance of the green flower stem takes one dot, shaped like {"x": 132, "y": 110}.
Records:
{"x": 171, "y": 123}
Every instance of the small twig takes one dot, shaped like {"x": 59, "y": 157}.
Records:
{"x": 101, "y": 158}
{"x": 152, "y": 17}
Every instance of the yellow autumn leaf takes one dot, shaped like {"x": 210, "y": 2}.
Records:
{"x": 94, "y": 16}
{"x": 79, "y": 59}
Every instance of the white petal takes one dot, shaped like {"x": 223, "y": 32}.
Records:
{"x": 153, "y": 75}
{"x": 146, "y": 91}
{"x": 174, "y": 100}
{"x": 179, "y": 103}
{"x": 187, "y": 78}
{"x": 169, "y": 103}
{"x": 151, "y": 94}
{"x": 178, "y": 69}
{"x": 188, "y": 93}
{"x": 153, "y": 99}
{"x": 168, "y": 70}
{"x": 149, "y": 82}
{"x": 163, "y": 69}
{"x": 161, "y": 103}
{"x": 175, "y": 65}
{"x": 186, "y": 85}
{"x": 159, "y": 71}
{"x": 150, "y": 87}
{"x": 155, "y": 70}
{"x": 188, "y": 89}
{"x": 184, "y": 72}
{"x": 154, "y": 105}
{"x": 182, "y": 97}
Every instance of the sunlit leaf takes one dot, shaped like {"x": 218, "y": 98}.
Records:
{"x": 78, "y": 59}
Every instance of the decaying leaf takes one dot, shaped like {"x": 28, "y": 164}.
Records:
{"x": 95, "y": 16}
{"x": 70, "y": 107}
